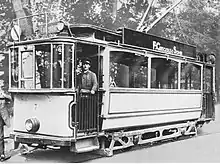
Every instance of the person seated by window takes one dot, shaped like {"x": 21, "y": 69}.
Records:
{"x": 87, "y": 80}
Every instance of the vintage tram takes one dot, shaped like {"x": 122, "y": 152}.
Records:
{"x": 149, "y": 88}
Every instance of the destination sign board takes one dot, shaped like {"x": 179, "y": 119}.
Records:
{"x": 153, "y": 42}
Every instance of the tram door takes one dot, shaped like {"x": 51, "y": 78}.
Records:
{"x": 88, "y": 106}
{"x": 208, "y": 93}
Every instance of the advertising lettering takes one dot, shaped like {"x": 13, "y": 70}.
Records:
{"x": 157, "y": 46}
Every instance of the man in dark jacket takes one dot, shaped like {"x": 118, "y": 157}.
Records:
{"x": 87, "y": 80}
{"x": 4, "y": 120}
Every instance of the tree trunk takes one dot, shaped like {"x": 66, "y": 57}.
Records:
{"x": 24, "y": 23}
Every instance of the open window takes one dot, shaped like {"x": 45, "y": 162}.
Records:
{"x": 128, "y": 70}
{"x": 190, "y": 76}
{"x": 164, "y": 73}
{"x": 43, "y": 66}
{"x": 93, "y": 53}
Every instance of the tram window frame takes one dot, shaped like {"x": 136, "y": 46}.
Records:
{"x": 59, "y": 63}
{"x": 164, "y": 73}
{"x": 128, "y": 70}
{"x": 193, "y": 81}
{"x": 35, "y": 81}
{"x": 14, "y": 68}
{"x": 27, "y": 70}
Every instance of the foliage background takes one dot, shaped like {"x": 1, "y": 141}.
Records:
{"x": 193, "y": 21}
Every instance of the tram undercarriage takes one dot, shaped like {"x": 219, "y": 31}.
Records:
{"x": 122, "y": 140}
{"x": 107, "y": 142}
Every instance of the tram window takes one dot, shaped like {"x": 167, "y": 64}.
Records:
{"x": 52, "y": 67}
{"x": 128, "y": 70}
{"x": 27, "y": 69}
{"x": 68, "y": 49}
{"x": 57, "y": 66}
{"x": 14, "y": 67}
{"x": 43, "y": 66}
{"x": 164, "y": 73}
{"x": 190, "y": 76}
{"x": 88, "y": 51}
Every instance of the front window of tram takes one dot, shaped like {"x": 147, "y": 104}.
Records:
{"x": 49, "y": 68}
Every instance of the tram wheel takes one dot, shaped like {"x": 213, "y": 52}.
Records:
{"x": 125, "y": 139}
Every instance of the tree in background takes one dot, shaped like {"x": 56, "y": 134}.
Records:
{"x": 197, "y": 23}
{"x": 6, "y": 16}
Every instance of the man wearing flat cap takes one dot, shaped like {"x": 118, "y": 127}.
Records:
{"x": 4, "y": 120}
{"x": 88, "y": 80}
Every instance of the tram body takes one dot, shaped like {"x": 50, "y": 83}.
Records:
{"x": 146, "y": 94}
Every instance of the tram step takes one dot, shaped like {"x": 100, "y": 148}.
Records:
{"x": 85, "y": 145}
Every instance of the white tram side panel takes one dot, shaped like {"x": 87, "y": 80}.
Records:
{"x": 135, "y": 109}
{"x": 50, "y": 110}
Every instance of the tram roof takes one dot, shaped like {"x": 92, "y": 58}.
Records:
{"x": 124, "y": 36}
{"x": 88, "y": 28}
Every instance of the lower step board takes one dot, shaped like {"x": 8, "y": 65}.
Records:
{"x": 87, "y": 149}
{"x": 85, "y": 145}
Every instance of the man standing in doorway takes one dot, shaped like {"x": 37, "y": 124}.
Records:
{"x": 88, "y": 80}
{"x": 87, "y": 99}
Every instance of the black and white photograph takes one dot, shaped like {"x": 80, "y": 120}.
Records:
{"x": 110, "y": 81}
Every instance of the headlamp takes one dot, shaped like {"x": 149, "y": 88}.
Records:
{"x": 32, "y": 125}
